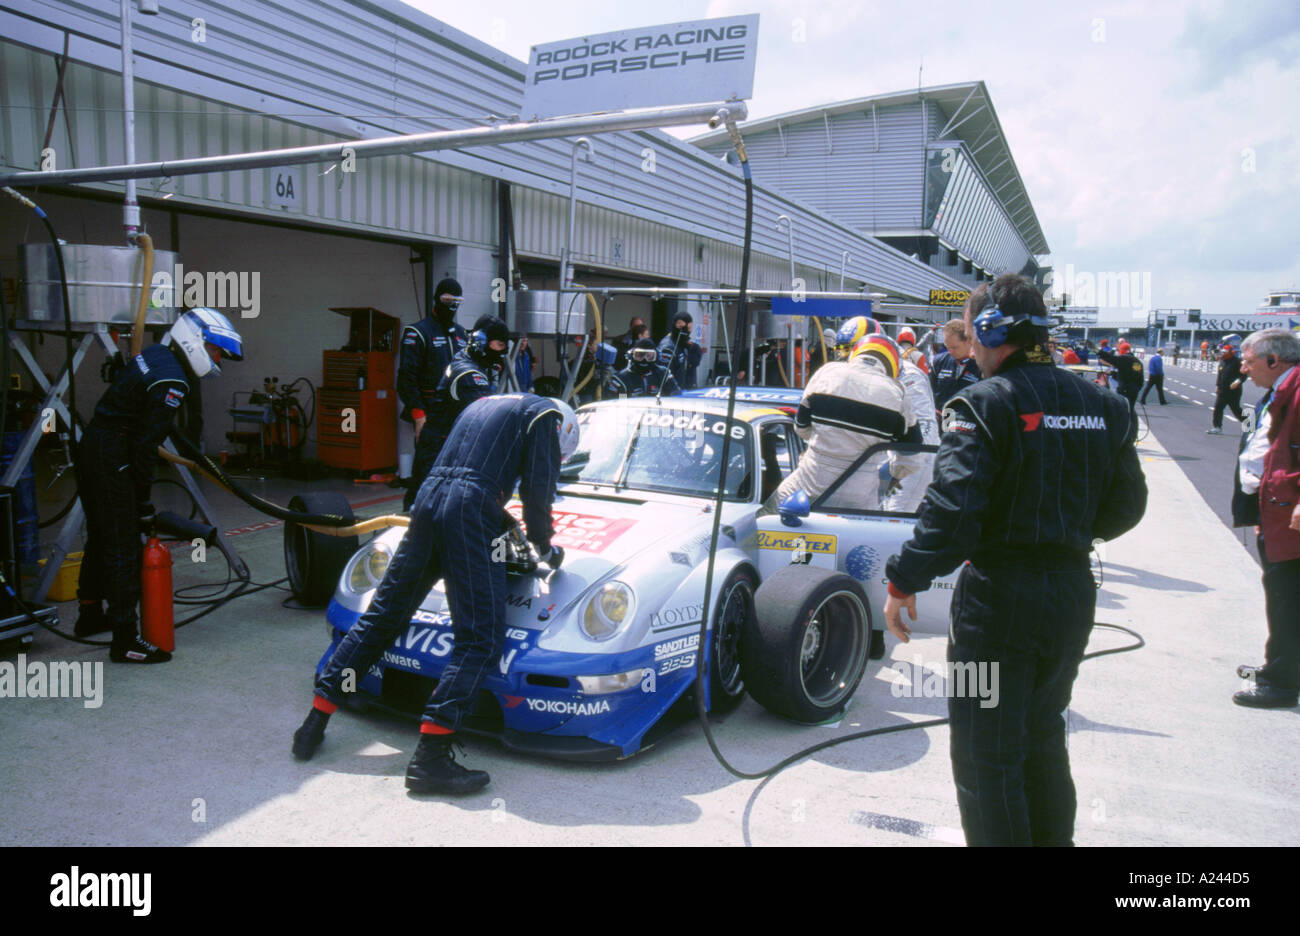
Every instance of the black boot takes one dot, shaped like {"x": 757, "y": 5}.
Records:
{"x": 433, "y": 769}
{"x": 130, "y": 647}
{"x": 1266, "y": 695}
{"x": 310, "y": 734}
{"x": 91, "y": 619}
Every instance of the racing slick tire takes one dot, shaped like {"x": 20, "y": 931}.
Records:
{"x": 808, "y": 643}
{"x": 313, "y": 560}
{"x": 733, "y": 616}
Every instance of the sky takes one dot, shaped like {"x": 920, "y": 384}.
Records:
{"x": 1159, "y": 140}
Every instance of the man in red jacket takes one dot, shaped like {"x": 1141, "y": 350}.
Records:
{"x": 1271, "y": 460}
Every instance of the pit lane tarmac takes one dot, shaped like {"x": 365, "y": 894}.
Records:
{"x": 197, "y": 751}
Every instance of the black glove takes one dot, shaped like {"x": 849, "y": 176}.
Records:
{"x": 553, "y": 556}
{"x": 146, "y": 516}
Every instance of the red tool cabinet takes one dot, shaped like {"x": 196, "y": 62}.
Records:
{"x": 356, "y": 422}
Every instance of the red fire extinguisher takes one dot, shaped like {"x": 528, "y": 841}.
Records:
{"x": 156, "y": 622}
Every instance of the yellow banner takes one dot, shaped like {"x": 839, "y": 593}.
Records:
{"x": 806, "y": 542}
{"x": 949, "y": 297}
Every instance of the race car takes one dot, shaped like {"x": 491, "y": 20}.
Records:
{"x": 600, "y": 651}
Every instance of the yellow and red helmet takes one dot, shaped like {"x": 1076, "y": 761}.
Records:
{"x": 881, "y": 348}
{"x": 854, "y": 330}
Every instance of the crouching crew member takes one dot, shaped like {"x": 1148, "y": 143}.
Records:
{"x": 1028, "y": 457}
{"x": 458, "y": 511}
{"x": 427, "y": 349}
{"x": 643, "y": 376}
{"x": 114, "y": 468}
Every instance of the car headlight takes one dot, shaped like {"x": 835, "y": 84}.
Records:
{"x": 367, "y": 568}
{"x": 615, "y": 682}
{"x": 607, "y": 610}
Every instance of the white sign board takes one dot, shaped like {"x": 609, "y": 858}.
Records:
{"x": 285, "y": 185}
{"x": 655, "y": 66}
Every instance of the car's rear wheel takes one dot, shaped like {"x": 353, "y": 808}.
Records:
{"x": 808, "y": 645}
{"x": 313, "y": 560}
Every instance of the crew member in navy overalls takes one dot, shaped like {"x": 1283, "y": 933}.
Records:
{"x": 458, "y": 513}
{"x": 475, "y": 372}
{"x": 643, "y": 376}
{"x": 114, "y": 467}
{"x": 427, "y": 348}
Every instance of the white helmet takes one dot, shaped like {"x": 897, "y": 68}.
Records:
{"x": 569, "y": 429}
{"x": 197, "y": 328}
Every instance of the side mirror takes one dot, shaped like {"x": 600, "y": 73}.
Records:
{"x": 794, "y": 507}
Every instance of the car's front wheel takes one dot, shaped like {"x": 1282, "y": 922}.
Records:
{"x": 733, "y": 615}
{"x": 807, "y": 647}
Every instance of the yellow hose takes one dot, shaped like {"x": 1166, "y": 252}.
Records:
{"x": 142, "y": 307}
{"x": 780, "y": 369}
{"x": 599, "y": 334}
{"x": 821, "y": 336}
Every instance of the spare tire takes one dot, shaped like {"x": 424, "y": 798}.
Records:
{"x": 314, "y": 560}
{"x": 808, "y": 643}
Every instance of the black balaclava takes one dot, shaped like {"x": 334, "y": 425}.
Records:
{"x": 682, "y": 317}
{"x": 443, "y": 313}
{"x": 642, "y": 367}
{"x": 494, "y": 330}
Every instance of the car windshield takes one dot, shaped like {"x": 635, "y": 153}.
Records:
{"x": 660, "y": 449}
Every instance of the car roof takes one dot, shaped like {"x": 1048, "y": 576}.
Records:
{"x": 773, "y": 396}
{"x": 746, "y": 410}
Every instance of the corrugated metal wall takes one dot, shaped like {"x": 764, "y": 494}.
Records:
{"x": 973, "y": 221}
{"x": 871, "y": 175}
{"x": 842, "y": 171}
{"x": 341, "y": 69}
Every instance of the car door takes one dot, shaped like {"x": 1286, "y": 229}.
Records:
{"x": 853, "y": 529}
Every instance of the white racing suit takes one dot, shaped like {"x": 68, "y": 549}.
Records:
{"x": 920, "y": 397}
{"x": 847, "y": 407}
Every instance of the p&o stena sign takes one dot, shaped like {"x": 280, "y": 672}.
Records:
{"x": 655, "y": 66}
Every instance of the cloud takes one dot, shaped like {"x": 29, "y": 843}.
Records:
{"x": 1240, "y": 36}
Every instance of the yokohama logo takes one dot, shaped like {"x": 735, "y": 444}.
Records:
{"x": 556, "y": 707}
{"x": 1074, "y": 422}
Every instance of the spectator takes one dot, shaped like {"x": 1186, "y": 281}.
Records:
{"x": 1155, "y": 377}
{"x": 1268, "y": 465}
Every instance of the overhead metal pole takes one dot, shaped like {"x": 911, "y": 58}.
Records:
{"x": 131, "y": 208}
{"x": 722, "y": 293}
{"x": 715, "y": 115}
{"x": 566, "y": 263}
{"x": 789, "y": 233}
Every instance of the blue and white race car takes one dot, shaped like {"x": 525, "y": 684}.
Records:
{"x": 600, "y": 651}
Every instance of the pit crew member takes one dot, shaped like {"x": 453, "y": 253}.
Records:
{"x": 114, "y": 467}
{"x": 1029, "y": 456}
{"x": 498, "y": 441}
{"x": 427, "y": 348}
{"x": 644, "y": 375}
